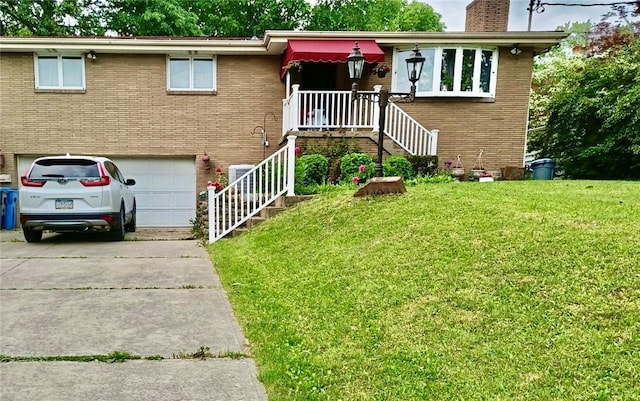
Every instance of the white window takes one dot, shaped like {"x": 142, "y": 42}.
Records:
{"x": 456, "y": 71}
{"x": 59, "y": 72}
{"x": 191, "y": 73}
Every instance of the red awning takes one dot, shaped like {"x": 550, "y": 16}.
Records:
{"x": 329, "y": 51}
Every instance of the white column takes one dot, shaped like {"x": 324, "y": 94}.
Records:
{"x": 291, "y": 165}
{"x": 294, "y": 107}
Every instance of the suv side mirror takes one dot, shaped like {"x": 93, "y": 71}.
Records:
{"x": 130, "y": 182}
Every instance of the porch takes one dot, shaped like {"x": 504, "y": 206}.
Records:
{"x": 336, "y": 110}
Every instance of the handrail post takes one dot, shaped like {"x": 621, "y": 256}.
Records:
{"x": 213, "y": 213}
{"x": 291, "y": 165}
{"x": 294, "y": 107}
{"x": 433, "y": 149}
{"x": 375, "y": 114}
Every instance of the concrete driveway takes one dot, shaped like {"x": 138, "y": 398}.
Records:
{"x": 72, "y": 297}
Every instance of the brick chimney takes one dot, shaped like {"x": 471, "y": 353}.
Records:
{"x": 487, "y": 16}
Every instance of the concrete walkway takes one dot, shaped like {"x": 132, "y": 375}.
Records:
{"x": 78, "y": 296}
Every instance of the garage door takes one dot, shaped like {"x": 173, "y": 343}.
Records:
{"x": 165, "y": 189}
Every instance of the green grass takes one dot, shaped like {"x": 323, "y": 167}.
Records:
{"x": 503, "y": 291}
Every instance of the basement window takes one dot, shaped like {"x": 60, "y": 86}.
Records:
{"x": 59, "y": 72}
{"x": 197, "y": 74}
{"x": 451, "y": 71}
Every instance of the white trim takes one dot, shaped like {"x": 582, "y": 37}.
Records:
{"x": 457, "y": 78}
{"x": 59, "y": 58}
{"x": 212, "y": 58}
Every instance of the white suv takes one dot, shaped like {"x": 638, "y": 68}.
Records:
{"x": 76, "y": 193}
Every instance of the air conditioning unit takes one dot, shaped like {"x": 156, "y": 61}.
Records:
{"x": 238, "y": 170}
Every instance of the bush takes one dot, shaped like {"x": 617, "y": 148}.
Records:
{"x": 312, "y": 170}
{"x": 350, "y": 166}
{"x": 398, "y": 166}
{"x": 424, "y": 165}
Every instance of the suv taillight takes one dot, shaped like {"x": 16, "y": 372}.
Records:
{"x": 31, "y": 183}
{"x": 102, "y": 181}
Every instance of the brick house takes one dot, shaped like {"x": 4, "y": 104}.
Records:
{"x": 157, "y": 105}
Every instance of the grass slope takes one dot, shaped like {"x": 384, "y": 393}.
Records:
{"x": 509, "y": 290}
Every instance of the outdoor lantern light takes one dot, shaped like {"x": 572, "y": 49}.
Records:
{"x": 355, "y": 63}
{"x": 414, "y": 68}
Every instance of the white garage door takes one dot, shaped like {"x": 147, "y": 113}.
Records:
{"x": 165, "y": 190}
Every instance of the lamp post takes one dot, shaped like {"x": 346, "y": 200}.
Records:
{"x": 355, "y": 64}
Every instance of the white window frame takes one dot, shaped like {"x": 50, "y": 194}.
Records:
{"x": 457, "y": 80}
{"x": 59, "y": 57}
{"x": 213, "y": 59}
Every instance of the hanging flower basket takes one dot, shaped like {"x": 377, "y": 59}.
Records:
{"x": 381, "y": 70}
{"x": 478, "y": 167}
{"x": 458, "y": 170}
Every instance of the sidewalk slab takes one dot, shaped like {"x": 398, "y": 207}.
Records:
{"x": 166, "y": 380}
{"x": 70, "y": 273}
{"x": 95, "y": 249}
{"x": 144, "y": 322}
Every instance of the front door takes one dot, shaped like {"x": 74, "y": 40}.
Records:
{"x": 318, "y": 76}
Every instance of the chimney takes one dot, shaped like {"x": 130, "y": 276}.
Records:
{"x": 487, "y": 16}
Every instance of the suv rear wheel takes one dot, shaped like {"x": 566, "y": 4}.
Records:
{"x": 118, "y": 230}
{"x": 130, "y": 227}
{"x": 32, "y": 235}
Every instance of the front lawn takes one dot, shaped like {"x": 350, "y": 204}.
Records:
{"x": 500, "y": 291}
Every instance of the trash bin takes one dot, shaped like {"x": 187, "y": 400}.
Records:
{"x": 543, "y": 169}
{"x": 9, "y": 208}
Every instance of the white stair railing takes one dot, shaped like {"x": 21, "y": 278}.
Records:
{"x": 252, "y": 192}
{"x": 409, "y": 133}
{"x": 320, "y": 110}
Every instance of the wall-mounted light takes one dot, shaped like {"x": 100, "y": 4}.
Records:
{"x": 516, "y": 50}
{"x": 91, "y": 55}
{"x": 206, "y": 161}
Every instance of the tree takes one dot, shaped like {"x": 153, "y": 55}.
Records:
{"x": 246, "y": 18}
{"x": 50, "y": 17}
{"x": 587, "y": 106}
{"x": 373, "y": 15}
{"x": 150, "y": 18}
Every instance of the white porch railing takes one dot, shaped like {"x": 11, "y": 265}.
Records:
{"x": 324, "y": 110}
{"x": 252, "y": 192}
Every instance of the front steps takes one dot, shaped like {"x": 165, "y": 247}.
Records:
{"x": 278, "y": 206}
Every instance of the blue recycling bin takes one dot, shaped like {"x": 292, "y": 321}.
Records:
{"x": 9, "y": 208}
{"x": 543, "y": 169}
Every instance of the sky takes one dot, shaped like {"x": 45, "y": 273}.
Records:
{"x": 453, "y": 14}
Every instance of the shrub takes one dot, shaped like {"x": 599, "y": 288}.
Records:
{"x": 312, "y": 170}
{"x": 398, "y": 166}
{"x": 350, "y": 166}
{"x": 424, "y": 165}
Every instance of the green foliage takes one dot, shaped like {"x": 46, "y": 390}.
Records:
{"x": 443, "y": 177}
{"x": 588, "y": 108}
{"x": 334, "y": 148}
{"x": 51, "y": 18}
{"x": 350, "y": 166}
{"x": 379, "y": 15}
{"x": 313, "y": 169}
{"x": 524, "y": 290}
{"x": 398, "y": 166}
{"x": 423, "y": 165}
{"x": 221, "y": 18}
